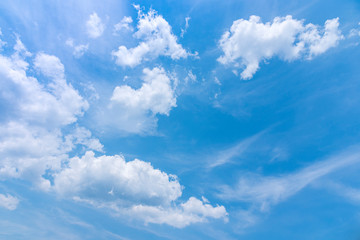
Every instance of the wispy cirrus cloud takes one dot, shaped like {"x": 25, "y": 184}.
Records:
{"x": 351, "y": 194}
{"x": 263, "y": 192}
{"x": 225, "y": 156}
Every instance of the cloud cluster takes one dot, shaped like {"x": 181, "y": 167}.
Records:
{"x": 35, "y": 147}
{"x": 135, "y": 110}
{"x": 34, "y": 113}
{"x": 133, "y": 188}
{"x": 249, "y": 42}
{"x": 157, "y": 40}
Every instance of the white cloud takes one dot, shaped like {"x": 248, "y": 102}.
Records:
{"x": 265, "y": 191}
{"x": 136, "y": 180}
{"x": 95, "y": 26}
{"x": 9, "y": 202}
{"x": 192, "y": 211}
{"x": 134, "y": 188}
{"x": 62, "y": 103}
{"x": 83, "y": 137}
{"x": 156, "y": 93}
{"x": 28, "y": 151}
{"x": 49, "y": 65}
{"x": 53, "y": 104}
{"x": 20, "y": 50}
{"x": 354, "y": 33}
{"x": 124, "y": 24}
{"x": 136, "y": 109}
{"x": 352, "y": 194}
{"x": 78, "y": 50}
{"x": 249, "y": 42}
{"x": 319, "y": 42}
{"x": 31, "y": 140}
{"x": 158, "y": 40}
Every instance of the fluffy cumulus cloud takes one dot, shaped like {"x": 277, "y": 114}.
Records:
{"x": 135, "y": 109}
{"x": 136, "y": 180}
{"x": 157, "y": 40}
{"x": 156, "y": 93}
{"x": 94, "y": 26}
{"x": 27, "y": 152}
{"x": 33, "y": 115}
{"x": 134, "y": 188}
{"x": 249, "y": 42}
{"x": 9, "y": 202}
{"x": 192, "y": 211}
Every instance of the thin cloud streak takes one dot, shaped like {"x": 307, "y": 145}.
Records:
{"x": 225, "y": 156}
{"x": 265, "y": 191}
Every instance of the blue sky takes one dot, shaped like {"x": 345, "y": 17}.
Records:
{"x": 179, "y": 119}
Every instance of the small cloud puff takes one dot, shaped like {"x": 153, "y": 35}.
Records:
{"x": 9, "y": 202}
{"x": 124, "y": 24}
{"x": 94, "y": 26}
{"x": 135, "y": 110}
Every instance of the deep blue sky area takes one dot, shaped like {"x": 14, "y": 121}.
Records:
{"x": 200, "y": 119}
